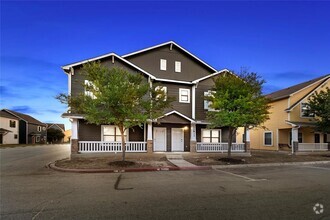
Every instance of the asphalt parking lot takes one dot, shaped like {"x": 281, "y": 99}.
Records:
{"x": 29, "y": 190}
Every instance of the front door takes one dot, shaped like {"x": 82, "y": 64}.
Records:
{"x": 177, "y": 139}
{"x": 316, "y": 138}
{"x": 159, "y": 139}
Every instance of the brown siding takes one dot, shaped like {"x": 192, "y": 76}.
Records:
{"x": 202, "y": 87}
{"x": 89, "y": 132}
{"x": 150, "y": 61}
{"x": 136, "y": 134}
{"x": 78, "y": 78}
{"x": 173, "y": 118}
{"x": 168, "y": 135}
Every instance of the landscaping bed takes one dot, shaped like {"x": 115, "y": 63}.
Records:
{"x": 257, "y": 157}
{"x": 106, "y": 163}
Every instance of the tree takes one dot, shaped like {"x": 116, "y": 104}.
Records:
{"x": 237, "y": 101}
{"x": 117, "y": 97}
{"x": 319, "y": 105}
{"x": 54, "y": 135}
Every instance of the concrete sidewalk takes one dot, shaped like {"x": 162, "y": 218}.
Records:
{"x": 178, "y": 160}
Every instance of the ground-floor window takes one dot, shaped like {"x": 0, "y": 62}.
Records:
{"x": 300, "y": 137}
{"x": 112, "y": 133}
{"x": 268, "y": 138}
{"x": 37, "y": 139}
{"x": 211, "y": 135}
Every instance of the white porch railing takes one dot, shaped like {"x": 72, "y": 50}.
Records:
{"x": 219, "y": 147}
{"x": 103, "y": 146}
{"x": 312, "y": 146}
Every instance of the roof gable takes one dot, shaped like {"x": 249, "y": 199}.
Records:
{"x": 25, "y": 117}
{"x": 284, "y": 93}
{"x": 170, "y": 43}
{"x": 5, "y": 114}
{"x": 60, "y": 126}
{"x": 179, "y": 117}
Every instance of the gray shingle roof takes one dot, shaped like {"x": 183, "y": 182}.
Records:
{"x": 25, "y": 117}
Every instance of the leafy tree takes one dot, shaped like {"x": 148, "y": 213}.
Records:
{"x": 117, "y": 97}
{"x": 319, "y": 104}
{"x": 54, "y": 135}
{"x": 237, "y": 101}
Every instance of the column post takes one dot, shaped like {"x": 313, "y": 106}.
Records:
{"x": 247, "y": 139}
{"x": 149, "y": 137}
{"x": 74, "y": 136}
{"x": 294, "y": 144}
{"x": 193, "y": 140}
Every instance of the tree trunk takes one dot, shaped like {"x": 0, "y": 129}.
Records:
{"x": 231, "y": 133}
{"x": 123, "y": 143}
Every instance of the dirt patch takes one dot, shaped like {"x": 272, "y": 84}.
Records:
{"x": 256, "y": 157}
{"x": 106, "y": 163}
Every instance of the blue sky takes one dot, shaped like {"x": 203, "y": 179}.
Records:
{"x": 285, "y": 42}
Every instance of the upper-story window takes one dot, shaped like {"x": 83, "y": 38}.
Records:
{"x": 12, "y": 124}
{"x": 161, "y": 88}
{"x": 39, "y": 128}
{"x": 305, "y": 111}
{"x": 184, "y": 95}
{"x": 163, "y": 64}
{"x": 87, "y": 92}
{"x": 207, "y": 103}
{"x": 177, "y": 66}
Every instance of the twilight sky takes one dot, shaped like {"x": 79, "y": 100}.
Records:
{"x": 285, "y": 42}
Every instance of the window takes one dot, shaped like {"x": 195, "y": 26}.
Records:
{"x": 37, "y": 139}
{"x": 305, "y": 111}
{"x": 112, "y": 133}
{"x": 12, "y": 124}
{"x": 268, "y": 138}
{"x": 87, "y": 91}
{"x": 211, "y": 135}
{"x": 177, "y": 66}
{"x": 207, "y": 103}
{"x": 184, "y": 95}
{"x": 161, "y": 88}
{"x": 39, "y": 128}
{"x": 15, "y": 136}
{"x": 163, "y": 64}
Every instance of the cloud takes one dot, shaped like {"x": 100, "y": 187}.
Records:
{"x": 24, "y": 109}
{"x": 290, "y": 75}
{"x": 54, "y": 111}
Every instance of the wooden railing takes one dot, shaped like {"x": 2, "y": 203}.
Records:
{"x": 312, "y": 146}
{"x": 219, "y": 147}
{"x": 103, "y": 146}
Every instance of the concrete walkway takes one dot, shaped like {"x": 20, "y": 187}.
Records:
{"x": 178, "y": 160}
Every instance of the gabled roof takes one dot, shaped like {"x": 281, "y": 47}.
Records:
{"x": 25, "y": 117}
{"x": 169, "y": 43}
{"x": 61, "y": 126}
{"x": 177, "y": 113}
{"x": 5, "y": 114}
{"x": 211, "y": 75}
{"x": 284, "y": 93}
{"x": 66, "y": 68}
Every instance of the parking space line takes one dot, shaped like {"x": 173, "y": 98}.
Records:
{"x": 321, "y": 168}
{"x": 244, "y": 177}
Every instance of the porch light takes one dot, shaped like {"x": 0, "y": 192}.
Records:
{"x": 185, "y": 128}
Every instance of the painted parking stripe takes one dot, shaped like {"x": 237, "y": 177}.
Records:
{"x": 320, "y": 168}
{"x": 244, "y": 177}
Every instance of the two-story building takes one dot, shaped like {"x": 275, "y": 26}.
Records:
{"x": 291, "y": 126}
{"x": 182, "y": 128}
{"x": 9, "y": 133}
{"x": 30, "y": 130}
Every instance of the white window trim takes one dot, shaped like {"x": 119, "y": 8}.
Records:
{"x": 163, "y": 64}
{"x": 162, "y": 88}
{"x": 301, "y": 111}
{"x": 210, "y": 130}
{"x": 271, "y": 138}
{"x": 180, "y": 91}
{"x": 37, "y": 139}
{"x": 89, "y": 93}
{"x": 39, "y": 128}
{"x": 102, "y": 136}
{"x": 177, "y": 66}
{"x": 208, "y": 93}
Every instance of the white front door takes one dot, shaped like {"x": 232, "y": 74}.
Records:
{"x": 159, "y": 139}
{"x": 177, "y": 139}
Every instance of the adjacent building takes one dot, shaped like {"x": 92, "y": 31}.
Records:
{"x": 9, "y": 132}
{"x": 52, "y": 137}
{"x": 291, "y": 126}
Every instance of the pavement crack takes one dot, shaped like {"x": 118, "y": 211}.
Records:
{"x": 116, "y": 186}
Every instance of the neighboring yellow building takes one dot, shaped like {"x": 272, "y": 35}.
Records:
{"x": 289, "y": 123}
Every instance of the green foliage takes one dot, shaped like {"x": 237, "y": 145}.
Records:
{"x": 319, "y": 104}
{"x": 54, "y": 135}
{"x": 237, "y": 102}
{"x": 117, "y": 97}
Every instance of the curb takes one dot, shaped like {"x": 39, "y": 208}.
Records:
{"x": 270, "y": 164}
{"x": 147, "y": 169}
